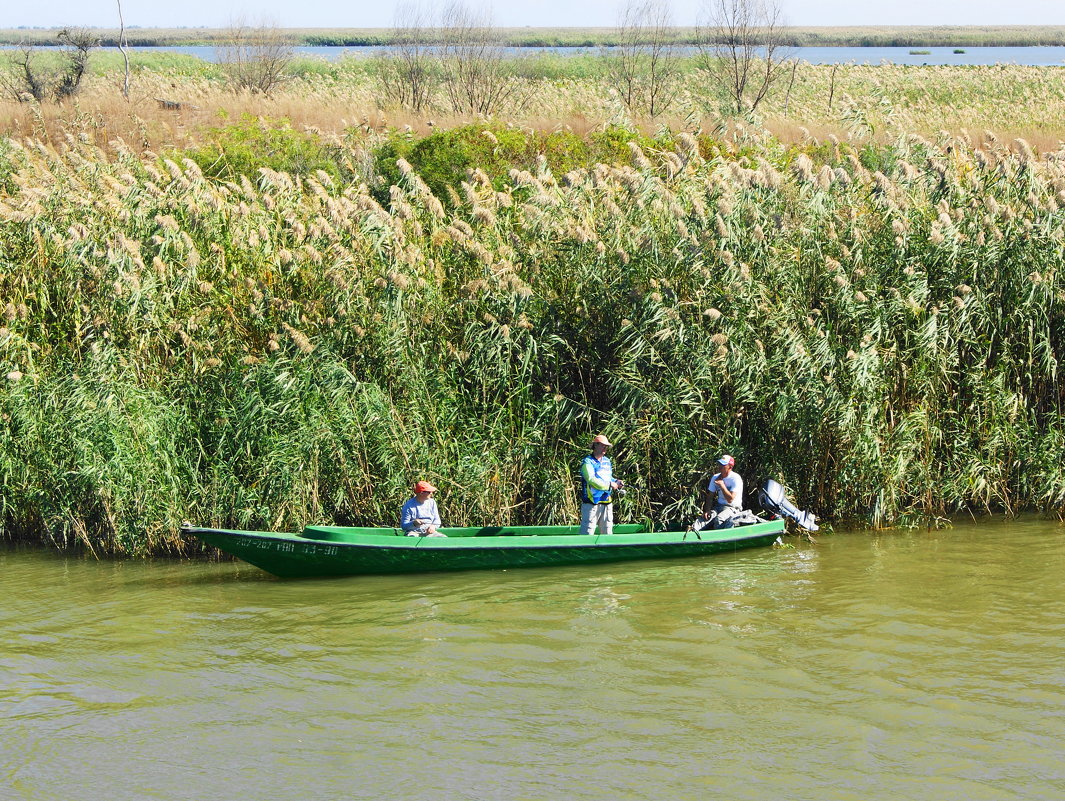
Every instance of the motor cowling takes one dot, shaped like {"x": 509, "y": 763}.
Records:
{"x": 772, "y": 499}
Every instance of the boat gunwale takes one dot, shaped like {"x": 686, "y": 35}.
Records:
{"x": 511, "y": 541}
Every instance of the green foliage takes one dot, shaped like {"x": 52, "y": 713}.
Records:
{"x": 114, "y": 450}
{"x": 311, "y": 68}
{"x": 444, "y": 159}
{"x": 253, "y": 143}
{"x": 108, "y": 61}
{"x": 876, "y": 157}
{"x": 882, "y": 333}
{"x": 8, "y": 166}
{"x": 611, "y": 145}
{"x": 550, "y": 66}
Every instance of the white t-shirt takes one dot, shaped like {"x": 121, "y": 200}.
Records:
{"x": 735, "y": 485}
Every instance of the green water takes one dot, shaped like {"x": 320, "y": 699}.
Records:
{"x": 902, "y": 665}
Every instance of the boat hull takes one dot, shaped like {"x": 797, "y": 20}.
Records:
{"x": 338, "y": 551}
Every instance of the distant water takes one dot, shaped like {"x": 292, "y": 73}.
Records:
{"x": 1028, "y": 56}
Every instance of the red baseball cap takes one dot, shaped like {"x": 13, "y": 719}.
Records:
{"x": 726, "y": 460}
{"x": 601, "y": 438}
{"x": 424, "y": 486}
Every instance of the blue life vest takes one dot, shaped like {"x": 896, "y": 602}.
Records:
{"x": 603, "y": 471}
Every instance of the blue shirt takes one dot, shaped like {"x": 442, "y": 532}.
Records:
{"x": 596, "y": 476}
{"x": 414, "y": 513}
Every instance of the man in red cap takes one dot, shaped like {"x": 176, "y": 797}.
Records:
{"x": 420, "y": 517}
{"x": 724, "y": 494}
{"x": 597, "y": 483}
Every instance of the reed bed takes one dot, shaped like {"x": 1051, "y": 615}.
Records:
{"x": 853, "y": 102}
{"x": 284, "y": 349}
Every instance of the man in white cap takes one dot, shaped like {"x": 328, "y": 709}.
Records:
{"x": 420, "y": 517}
{"x": 724, "y": 495}
{"x": 597, "y": 483}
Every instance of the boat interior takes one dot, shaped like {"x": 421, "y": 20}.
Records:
{"x": 353, "y": 534}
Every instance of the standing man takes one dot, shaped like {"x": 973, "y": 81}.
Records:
{"x": 420, "y": 517}
{"x": 597, "y": 482}
{"x": 724, "y": 495}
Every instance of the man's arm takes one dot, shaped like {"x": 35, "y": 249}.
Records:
{"x": 407, "y": 520}
{"x": 593, "y": 481}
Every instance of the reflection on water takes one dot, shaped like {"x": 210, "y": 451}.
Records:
{"x": 868, "y": 666}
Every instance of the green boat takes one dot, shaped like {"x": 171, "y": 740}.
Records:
{"x": 341, "y": 551}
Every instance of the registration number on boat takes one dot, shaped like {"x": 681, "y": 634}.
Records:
{"x": 287, "y": 547}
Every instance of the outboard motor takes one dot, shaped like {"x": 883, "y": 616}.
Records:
{"x": 772, "y": 499}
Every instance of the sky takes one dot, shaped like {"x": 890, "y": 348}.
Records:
{"x": 510, "y": 13}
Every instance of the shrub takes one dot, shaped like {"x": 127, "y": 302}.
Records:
{"x": 444, "y": 158}
{"x": 254, "y": 142}
{"x": 877, "y": 157}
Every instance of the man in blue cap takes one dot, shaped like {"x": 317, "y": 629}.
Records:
{"x": 724, "y": 495}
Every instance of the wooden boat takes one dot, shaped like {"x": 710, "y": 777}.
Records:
{"x": 340, "y": 551}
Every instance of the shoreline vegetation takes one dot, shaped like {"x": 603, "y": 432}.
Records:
{"x": 835, "y": 36}
{"x": 259, "y": 311}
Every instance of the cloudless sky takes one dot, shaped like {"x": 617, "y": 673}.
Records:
{"x": 511, "y": 13}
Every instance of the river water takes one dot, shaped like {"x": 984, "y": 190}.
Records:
{"x": 1041, "y": 56}
{"x": 868, "y": 666}
{"x": 1036, "y": 56}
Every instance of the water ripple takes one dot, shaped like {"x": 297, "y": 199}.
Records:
{"x": 867, "y": 667}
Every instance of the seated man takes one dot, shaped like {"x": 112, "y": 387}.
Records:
{"x": 420, "y": 517}
{"x": 724, "y": 496}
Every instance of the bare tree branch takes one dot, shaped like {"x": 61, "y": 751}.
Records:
{"x": 475, "y": 75}
{"x": 741, "y": 45}
{"x": 30, "y": 79}
{"x": 405, "y": 73}
{"x": 80, "y": 43}
{"x": 122, "y": 49}
{"x": 255, "y": 57}
{"x": 644, "y": 67}
{"x": 24, "y": 81}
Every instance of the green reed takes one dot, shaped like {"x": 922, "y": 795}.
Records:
{"x": 268, "y": 353}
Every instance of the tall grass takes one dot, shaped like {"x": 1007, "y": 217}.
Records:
{"x": 879, "y": 330}
{"x": 343, "y": 99}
